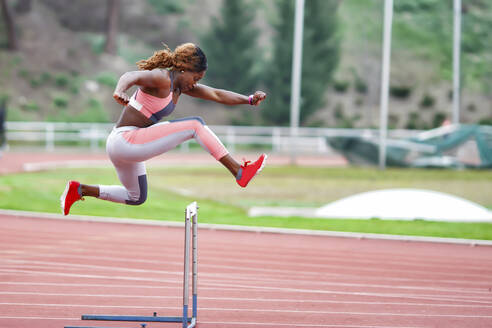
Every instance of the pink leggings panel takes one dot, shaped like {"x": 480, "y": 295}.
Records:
{"x": 176, "y": 132}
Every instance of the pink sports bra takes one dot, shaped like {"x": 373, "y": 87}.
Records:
{"x": 154, "y": 108}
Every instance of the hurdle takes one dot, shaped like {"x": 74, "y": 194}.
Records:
{"x": 191, "y": 214}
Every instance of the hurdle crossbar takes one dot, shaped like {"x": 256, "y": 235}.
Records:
{"x": 191, "y": 221}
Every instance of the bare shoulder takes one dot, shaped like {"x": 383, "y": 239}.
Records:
{"x": 155, "y": 78}
{"x": 161, "y": 77}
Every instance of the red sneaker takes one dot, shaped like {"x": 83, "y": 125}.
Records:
{"x": 70, "y": 196}
{"x": 250, "y": 170}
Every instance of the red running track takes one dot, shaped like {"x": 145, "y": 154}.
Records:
{"x": 52, "y": 271}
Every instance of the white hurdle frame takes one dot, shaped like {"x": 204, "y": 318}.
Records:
{"x": 190, "y": 215}
{"x": 191, "y": 232}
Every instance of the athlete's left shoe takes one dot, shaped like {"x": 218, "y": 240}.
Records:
{"x": 70, "y": 196}
{"x": 248, "y": 171}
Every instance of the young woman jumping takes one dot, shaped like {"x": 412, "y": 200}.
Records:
{"x": 138, "y": 136}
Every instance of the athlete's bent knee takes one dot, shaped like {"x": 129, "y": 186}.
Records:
{"x": 199, "y": 119}
{"x": 139, "y": 201}
{"x": 142, "y": 196}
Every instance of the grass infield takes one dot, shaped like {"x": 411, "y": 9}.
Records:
{"x": 223, "y": 202}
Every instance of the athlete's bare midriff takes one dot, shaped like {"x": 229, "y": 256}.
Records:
{"x": 132, "y": 117}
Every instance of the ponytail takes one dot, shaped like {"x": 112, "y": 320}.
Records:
{"x": 160, "y": 59}
{"x": 186, "y": 57}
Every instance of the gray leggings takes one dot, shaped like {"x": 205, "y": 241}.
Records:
{"x": 129, "y": 147}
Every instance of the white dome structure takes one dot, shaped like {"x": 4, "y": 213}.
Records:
{"x": 406, "y": 204}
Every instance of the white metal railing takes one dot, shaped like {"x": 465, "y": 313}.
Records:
{"x": 308, "y": 140}
{"x": 51, "y": 133}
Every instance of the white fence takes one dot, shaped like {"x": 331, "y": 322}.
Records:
{"x": 278, "y": 139}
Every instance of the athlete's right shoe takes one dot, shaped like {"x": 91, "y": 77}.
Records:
{"x": 248, "y": 171}
{"x": 70, "y": 196}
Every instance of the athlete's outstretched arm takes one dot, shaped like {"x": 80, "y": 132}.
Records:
{"x": 224, "y": 96}
{"x": 149, "y": 79}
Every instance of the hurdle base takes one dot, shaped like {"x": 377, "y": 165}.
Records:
{"x": 190, "y": 320}
{"x": 192, "y": 324}
{"x": 91, "y": 327}
{"x": 133, "y": 318}
{"x": 95, "y": 327}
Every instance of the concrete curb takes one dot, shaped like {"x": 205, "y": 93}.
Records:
{"x": 83, "y": 218}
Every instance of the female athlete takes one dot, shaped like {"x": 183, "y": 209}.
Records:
{"x": 138, "y": 136}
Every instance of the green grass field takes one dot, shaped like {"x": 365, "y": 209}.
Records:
{"x": 223, "y": 202}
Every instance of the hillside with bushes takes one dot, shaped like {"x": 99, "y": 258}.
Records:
{"x": 61, "y": 73}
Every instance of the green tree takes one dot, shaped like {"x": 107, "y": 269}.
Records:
{"x": 12, "y": 40}
{"x": 231, "y": 48}
{"x": 428, "y": 25}
{"x": 319, "y": 59}
{"x": 112, "y": 17}
{"x": 278, "y": 73}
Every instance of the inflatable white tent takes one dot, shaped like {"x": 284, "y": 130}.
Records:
{"x": 406, "y": 204}
{"x": 391, "y": 204}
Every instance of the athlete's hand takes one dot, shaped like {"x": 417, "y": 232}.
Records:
{"x": 121, "y": 98}
{"x": 258, "y": 97}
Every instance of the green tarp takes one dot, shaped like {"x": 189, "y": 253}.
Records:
{"x": 449, "y": 146}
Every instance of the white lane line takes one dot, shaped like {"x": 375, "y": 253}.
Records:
{"x": 229, "y": 299}
{"x": 234, "y": 279}
{"x": 253, "y": 287}
{"x": 237, "y": 287}
{"x": 411, "y": 296}
{"x": 123, "y": 257}
{"x": 213, "y": 285}
{"x": 224, "y": 276}
{"x": 384, "y": 314}
{"x": 38, "y": 318}
{"x": 95, "y": 267}
{"x": 93, "y": 306}
{"x": 238, "y": 299}
{"x": 233, "y": 323}
{"x": 278, "y": 259}
{"x": 327, "y": 268}
{"x": 90, "y": 295}
{"x": 393, "y": 279}
{"x": 84, "y": 285}
{"x": 352, "y": 313}
{"x": 229, "y": 323}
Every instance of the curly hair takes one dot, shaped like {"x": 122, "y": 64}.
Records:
{"x": 186, "y": 57}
